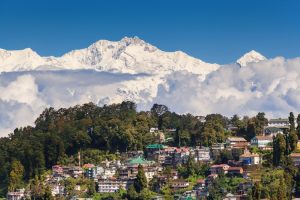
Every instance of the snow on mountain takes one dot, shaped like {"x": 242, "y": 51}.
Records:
{"x": 129, "y": 55}
{"x": 250, "y": 57}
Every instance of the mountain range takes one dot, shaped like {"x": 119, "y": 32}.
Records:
{"x": 129, "y": 55}
{"x": 109, "y": 72}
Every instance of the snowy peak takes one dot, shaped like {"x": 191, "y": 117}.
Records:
{"x": 129, "y": 55}
{"x": 250, "y": 57}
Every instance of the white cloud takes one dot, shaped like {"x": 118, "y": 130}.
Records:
{"x": 272, "y": 86}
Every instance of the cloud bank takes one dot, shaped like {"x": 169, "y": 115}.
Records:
{"x": 272, "y": 86}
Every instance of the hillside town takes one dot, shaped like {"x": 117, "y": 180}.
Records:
{"x": 237, "y": 159}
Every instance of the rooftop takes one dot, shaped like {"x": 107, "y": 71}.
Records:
{"x": 139, "y": 161}
{"x": 237, "y": 139}
{"x": 156, "y": 146}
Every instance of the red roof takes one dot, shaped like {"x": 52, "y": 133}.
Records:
{"x": 88, "y": 165}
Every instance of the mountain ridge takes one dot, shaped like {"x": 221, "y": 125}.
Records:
{"x": 129, "y": 55}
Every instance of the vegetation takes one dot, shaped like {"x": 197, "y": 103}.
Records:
{"x": 101, "y": 133}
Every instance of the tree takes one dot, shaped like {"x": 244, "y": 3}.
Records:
{"x": 141, "y": 181}
{"x": 91, "y": 188}
{"x": 297, "y": 180}
{"x": 298, "y": 126}
{"x": 131, "y": 193}
{"x": 16, "y": 176}
{"x": 279, "y": 149}
{"x": 48, "y": 194}
{"x": 292, "y": 121}
{"x": 293, "y": 140}
{"x": 256, "y": 191}
{"x": 260, "y": 123}
{"x": 158, "y": 110}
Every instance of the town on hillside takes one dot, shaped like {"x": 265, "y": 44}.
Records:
{"x": 236, "y": 167}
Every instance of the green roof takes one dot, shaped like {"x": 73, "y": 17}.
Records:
{"x": 138, "y": 161}
{"x": 155, "y": 146}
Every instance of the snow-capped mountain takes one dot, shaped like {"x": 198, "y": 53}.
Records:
{"x": 129, "y": 55}
{"x": 250, "y": 57}
{"x": 109, "y": 72}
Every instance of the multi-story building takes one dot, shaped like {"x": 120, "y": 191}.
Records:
{"x": 17, "y": 195}
{"x": 261, "y": 141}
{"x": 202, "y": 154}
{"x": 113, "y": 185}
{"x": 279, "y": 123}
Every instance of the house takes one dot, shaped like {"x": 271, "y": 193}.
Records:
{"x": 219, "y": 169}
{"x": 113, "y": 185}
{"x": 235, "y": 170}
{"x": 296, "y": 158}
{"x": 238, "y": 149}
{"x": 153, "y": 130}
{"x": 90, "y": 170}
{"x": 202, "y": 154}
{"x": 279, "y": 123}
{"x": 261, "y": 141}
{"x": 57, "y": 170}
{"x": 230, "y": 141}
{"x": 216, "y": 149}
{"x": 179, "y": 184}
{"x": 210, "y": 178}
{"x": 250, "y": 158}
{"x": 200, "y": 183}
{"x": 58, "y": 189}
{"x": 151, "y": 149}
{"x": 272, "y": 131}
{"x": 230, "y": 196}
{"x": 75, "y": 171}
{"x": 17, "y": 195}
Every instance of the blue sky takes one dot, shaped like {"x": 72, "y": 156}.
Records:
{"x": 212, "y": 30}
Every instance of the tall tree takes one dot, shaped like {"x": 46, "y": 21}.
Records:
{"x": 292, "y": 121}
{"x": 298, "y": 126}
{"x": 141, "y": 181}
{"x": 16, "y": 176}
{"x": 293, "y": 138}
{"x": 279, "y": 149}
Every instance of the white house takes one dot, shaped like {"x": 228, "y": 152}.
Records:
{"x": 261, "y": 141}
{"x": 279, "y": 123}
{"x": 202, "y": 154}
{"x": 112, "y": 185}
{"x": 272, "y": 131}
{"x": 17, "y": 195}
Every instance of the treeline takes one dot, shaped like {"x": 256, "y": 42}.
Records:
{"x": 58, "y": 135}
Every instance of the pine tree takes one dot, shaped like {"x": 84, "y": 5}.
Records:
{"x": 279, "y": 149}
{"x": 293, "y": 138}
{"x": 141, "y": 181}
{"x": 298, "y": 126}
{"x": 292, "y": 121}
